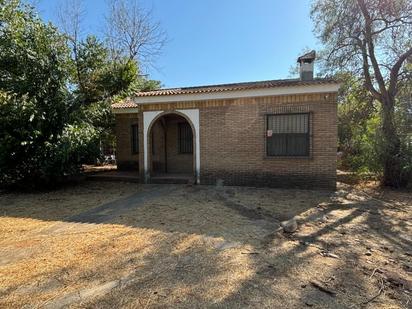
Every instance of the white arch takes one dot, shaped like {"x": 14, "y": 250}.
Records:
{"x": 147, "y": 120}
{"x": 193, "y": 115}
{"x": 150, "y": 117}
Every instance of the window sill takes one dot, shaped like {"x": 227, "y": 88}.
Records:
{"x": 287, "y": 157}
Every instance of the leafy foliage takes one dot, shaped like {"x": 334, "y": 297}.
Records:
{"x": 372, "y": 40}
{"x": 100, "y": 80}
{"x": 360, "y": 129}
{"x": 34, "y": 97}
{"x": 358, "y": 119}
{"x": 91, "y": 58}
{"x": 403, "y": 118}
{"x": 54, "y": 110}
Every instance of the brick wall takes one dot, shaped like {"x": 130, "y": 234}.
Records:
{"x": 233, "y": 145}
{"x": 233, "y": 140}
{"x": 126, "y": 160}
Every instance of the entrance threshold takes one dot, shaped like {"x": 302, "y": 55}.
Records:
{"x": 169, "y": 178}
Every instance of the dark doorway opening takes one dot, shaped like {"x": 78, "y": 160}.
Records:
{"x": 171, "y": 147}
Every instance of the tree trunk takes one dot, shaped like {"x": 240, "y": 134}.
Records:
{"x": 392, "y": 175}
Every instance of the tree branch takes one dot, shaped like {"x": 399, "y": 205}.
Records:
{"x": 371, "y": 49}
{"x": 393, "y": 81}
{"x": 366, "y": 73}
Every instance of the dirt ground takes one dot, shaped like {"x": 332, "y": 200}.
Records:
{"x": 111, "y": 245}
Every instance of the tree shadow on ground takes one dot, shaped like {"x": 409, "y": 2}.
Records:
{"x": 210, "y": 248}
{"x": 349, "y": 279}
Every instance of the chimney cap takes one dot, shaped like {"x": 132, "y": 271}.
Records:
{"x": 308, "y": 57}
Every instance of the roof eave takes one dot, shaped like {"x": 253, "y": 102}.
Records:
{"x": 236, "y": 94}
{"x": 125, "y": 110}
{"x": 330, "y": 86}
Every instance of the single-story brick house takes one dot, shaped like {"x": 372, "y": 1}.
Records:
{"x": 265, "y": 133}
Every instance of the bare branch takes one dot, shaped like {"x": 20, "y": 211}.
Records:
{"x": 70, "y": 14}
{"x": 132, "y": 33}
{"x": 393, "y": 81}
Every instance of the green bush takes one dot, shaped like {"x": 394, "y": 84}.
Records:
{"x": 54, "y": 108}
{"x": 360, "y": 135}
{"x": 38, "y": 145}
{"x": 78, "y": 143}
{"x": 362, "y": 153}
{"x": 27, "y": 157}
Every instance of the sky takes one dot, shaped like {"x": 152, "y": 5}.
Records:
{"x": 217, "y": 41}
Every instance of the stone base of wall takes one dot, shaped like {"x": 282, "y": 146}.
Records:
{"x": 127, "y": 165}
{"x": 301, "y": 181}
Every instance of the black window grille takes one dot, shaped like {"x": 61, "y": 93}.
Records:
{"x": 288, "y": 135}
{"x": 185, "y": 138}
{"x": 135, "y": 139}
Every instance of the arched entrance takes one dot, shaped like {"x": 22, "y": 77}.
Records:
{"x": 171, "y": 147}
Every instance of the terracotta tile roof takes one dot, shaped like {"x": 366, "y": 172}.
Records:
{"x": 232, "y": 87}
{"x": 224, "y": 87}
{"x": 127, "y": 103}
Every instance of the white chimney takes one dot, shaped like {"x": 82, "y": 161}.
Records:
{"x": 306, "y": 62}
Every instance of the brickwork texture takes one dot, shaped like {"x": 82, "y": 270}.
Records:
{"x": 233, "y": 141}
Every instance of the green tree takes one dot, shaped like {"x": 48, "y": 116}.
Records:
{"x": 104, "y": 80}
{"x": 356, "y": 108}
{"x": 33, "y": 76}
{"x": 54, "y": 106}
{"x": 373, "y": 40}
{"x": 37, "y": 144}
{"x": 103, "y": 77}
{"x": 92, "y": 58}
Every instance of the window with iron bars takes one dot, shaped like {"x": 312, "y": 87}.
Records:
{"x": 135, "y": 139}
{"x": 185, "y": 138}
{"x": 288, "y": 135}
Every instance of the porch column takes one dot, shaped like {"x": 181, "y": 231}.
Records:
{"x": 147, "y": 120}
{"x": 193, "y": 115}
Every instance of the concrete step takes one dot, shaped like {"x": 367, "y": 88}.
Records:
{"x": 114, "y": 177}
{"x": 172, "y": 179}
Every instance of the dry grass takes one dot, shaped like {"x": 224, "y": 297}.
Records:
{"x": 206, "y": 247}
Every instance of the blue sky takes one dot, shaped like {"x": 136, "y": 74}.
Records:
{"x": 218, "y": 41}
